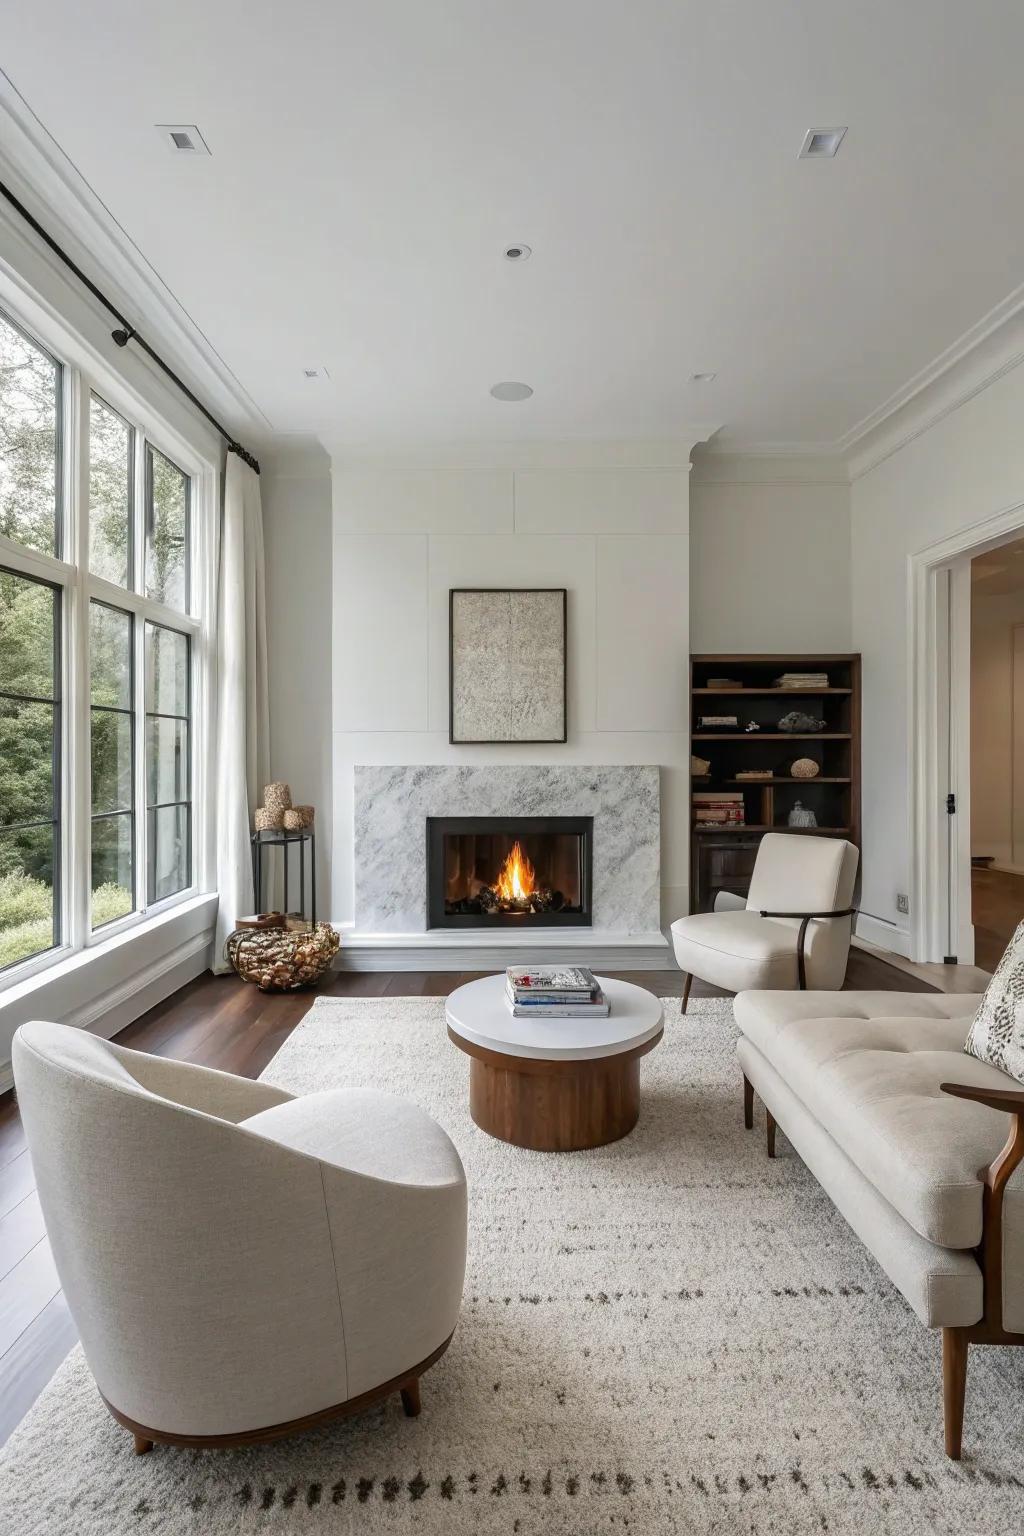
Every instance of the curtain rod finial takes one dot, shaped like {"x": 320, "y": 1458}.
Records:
{"x": 121, "y": 337}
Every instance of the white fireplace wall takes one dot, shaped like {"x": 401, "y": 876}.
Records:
{"x": 610, "y": 523}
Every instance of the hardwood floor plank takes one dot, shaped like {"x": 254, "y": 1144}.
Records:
{"x": 20, "y": 1230}
{"x": 24, "y": 1293}
{"x": 32, "y": 1359}
{"x": 16, "y": 1181}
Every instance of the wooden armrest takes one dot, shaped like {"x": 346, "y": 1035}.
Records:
{"x": 805, "y": 918}
{"x": 1011, "y": 1100}
{"x": 995, "y": 1176}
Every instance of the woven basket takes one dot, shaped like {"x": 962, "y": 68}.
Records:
{"x": 278, "y": 961}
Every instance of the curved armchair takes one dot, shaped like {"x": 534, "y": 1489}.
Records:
{"x": 240, "y": 1263}
{"x": 794, "y": 931}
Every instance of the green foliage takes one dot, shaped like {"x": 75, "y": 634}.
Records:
{"x": 29, "y": 384}
{"x": 26, "y": 914}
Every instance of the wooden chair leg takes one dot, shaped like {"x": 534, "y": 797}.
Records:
{"x": 411, "y": 1399}
{"x": 686, "y": 992}
{"x": 142, "y": 1445}
{"x": 954, "y": 1388}
{"x": 771, "y": 1132}
{"x": 748, "y": 1104}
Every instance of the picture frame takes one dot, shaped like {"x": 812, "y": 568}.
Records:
{"x": 507, "y": 666}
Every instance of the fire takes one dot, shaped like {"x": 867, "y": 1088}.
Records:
{"x": 516, "y": 881}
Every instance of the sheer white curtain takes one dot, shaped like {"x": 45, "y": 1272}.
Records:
{"x": 243, "y": 714}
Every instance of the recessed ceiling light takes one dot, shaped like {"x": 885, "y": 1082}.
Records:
{"x": 821, "y": 143}
{"x": 517, "y": 252}
{"x": 183, "y": 138}
{"x": 509, "y": 390}
{"x": 703, "y": 378}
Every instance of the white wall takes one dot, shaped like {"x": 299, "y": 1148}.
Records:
{"x": 614, "y": 533}
{"x": 296, "y": 495}
{"x": 966, "y": 467}
{"x": 769, "y": 554}
{"x": 993, "y": 618}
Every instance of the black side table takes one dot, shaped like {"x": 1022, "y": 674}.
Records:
{"x": 286, "y": 840}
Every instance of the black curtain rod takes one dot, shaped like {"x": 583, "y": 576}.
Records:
{"x": 125, "y": 332}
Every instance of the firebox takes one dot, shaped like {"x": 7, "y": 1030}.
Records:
{"x": 509, "y": 871}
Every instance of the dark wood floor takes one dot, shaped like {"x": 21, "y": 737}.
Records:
{"x": 219, "y": 1022}
{"x": 997, "y": 901}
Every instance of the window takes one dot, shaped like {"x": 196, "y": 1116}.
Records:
{"x": 30, "y": 442}
{"x": 168, "y": 776}
{"x": 30, "y": 737}
{"x": 112, "y": 734}
{"x": 103, "y": 640}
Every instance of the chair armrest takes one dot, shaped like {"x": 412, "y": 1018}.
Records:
{"x": 996, "y": 1175}
{"x": 220, "y": 1094}
{"x": 806, "y": 917}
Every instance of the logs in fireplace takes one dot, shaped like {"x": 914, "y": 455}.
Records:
{"x": 510, "y": 871}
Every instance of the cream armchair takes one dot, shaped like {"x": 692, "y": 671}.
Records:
{"x": 794, "y": 931}
{"x": 240, "y": 1263}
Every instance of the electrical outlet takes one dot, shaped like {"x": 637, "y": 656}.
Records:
{"x": 903, "y": 904}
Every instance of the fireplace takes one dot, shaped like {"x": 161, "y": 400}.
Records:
{"x": 509, "y": 871}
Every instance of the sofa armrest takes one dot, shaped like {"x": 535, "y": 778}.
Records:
{"x": 806, "y": 918}
{"x": 996, "y": 1175}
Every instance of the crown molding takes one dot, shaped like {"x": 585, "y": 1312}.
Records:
{"x": 522, "y": 454}
{"x": 43, "y": 177}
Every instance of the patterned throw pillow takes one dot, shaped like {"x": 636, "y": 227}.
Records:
{"x": 997, "y": 1034}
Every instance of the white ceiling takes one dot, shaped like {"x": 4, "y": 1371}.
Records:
{"x": 370, "y": 161}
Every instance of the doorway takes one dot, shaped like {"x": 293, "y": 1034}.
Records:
{"x": 996, "y": 748}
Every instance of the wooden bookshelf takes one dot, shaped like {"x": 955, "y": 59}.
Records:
{"x": 723, "y": 856}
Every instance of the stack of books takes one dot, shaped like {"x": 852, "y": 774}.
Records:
{"x": 802, "y": 680}
{"x": 718, "y": 808}
{"x": 554, "y": 992}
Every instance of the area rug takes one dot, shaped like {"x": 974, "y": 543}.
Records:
{"x": 671, "y": 1334}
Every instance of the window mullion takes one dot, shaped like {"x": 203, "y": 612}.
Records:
{"x": 139, "y": 737}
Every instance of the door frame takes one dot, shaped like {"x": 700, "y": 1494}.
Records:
{"x": 939, "y": 747}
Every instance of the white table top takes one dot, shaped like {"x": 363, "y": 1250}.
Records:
{"x": 480, "y": 1013}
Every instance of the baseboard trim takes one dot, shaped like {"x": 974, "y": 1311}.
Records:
{"x": 452, "y": 951}
{"x": 884, "y": 935}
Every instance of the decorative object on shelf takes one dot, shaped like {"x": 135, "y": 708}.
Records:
{"x": 724, "y": 683}
{"x": 804, "y": 768}
{"x": 277, "y": 798}
{"x": 756, "y": 773}
{"x": 802, "y": 816}
{"x": 278, "y": 961}
{"x": 718, "y": 723}
{"x": 506, "y": 664}
{"x": 751, "y": 725}
{"x": 699, "y": 767}
{"x": 802, "y": 680}
{"x": 719, "y": 808}
{"x": 298, "y": 817}
{"x": 797, "y": 721}
{"x": 266, "y": 820}
{"x": 262, "y": 920}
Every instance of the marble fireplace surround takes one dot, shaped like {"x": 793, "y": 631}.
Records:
{"x": 392, "y": 804}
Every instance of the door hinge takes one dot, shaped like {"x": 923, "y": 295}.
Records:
{"x": 951, "y": 805}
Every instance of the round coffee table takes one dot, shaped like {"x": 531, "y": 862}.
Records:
{"x": 554, "y": 1085}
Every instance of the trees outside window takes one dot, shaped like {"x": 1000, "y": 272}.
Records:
{"x": 97, "y": 661}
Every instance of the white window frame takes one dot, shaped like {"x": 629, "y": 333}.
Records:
{"x": 83, "y": 376}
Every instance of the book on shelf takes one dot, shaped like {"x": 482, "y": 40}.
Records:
{"x": 802, "y": 680}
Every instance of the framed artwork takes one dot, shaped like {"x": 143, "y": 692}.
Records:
{"x": 506, "y": 664}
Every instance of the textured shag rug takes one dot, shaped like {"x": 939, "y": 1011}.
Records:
{"x": 671, "y": 1334}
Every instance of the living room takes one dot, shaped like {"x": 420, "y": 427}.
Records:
{"x": 473, "y": 1055}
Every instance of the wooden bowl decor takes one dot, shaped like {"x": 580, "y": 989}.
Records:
{"x": 805, "y": 768}
{"x": 278, "y": 961}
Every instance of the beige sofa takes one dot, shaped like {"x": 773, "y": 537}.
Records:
{"x": 240, "y": 1263}
{"x": 858, "y": 1083}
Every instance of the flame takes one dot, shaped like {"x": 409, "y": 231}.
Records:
{"x": 516, "y": 881}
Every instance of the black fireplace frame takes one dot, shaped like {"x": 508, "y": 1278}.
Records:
{"x": 438, "y": 826}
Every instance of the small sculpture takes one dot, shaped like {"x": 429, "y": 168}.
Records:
{"x": 805, "y": 768}
{"x": 802, "y": 816}
{"x": 699, "y": 766}
{"x": 796, "y": 720}
{"x": 751, "y": 725}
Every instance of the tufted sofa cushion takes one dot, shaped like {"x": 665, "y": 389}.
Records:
{"x": 868, "y": 1066}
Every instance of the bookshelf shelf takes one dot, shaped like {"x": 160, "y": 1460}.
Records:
{"x": 723, "y": 855}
